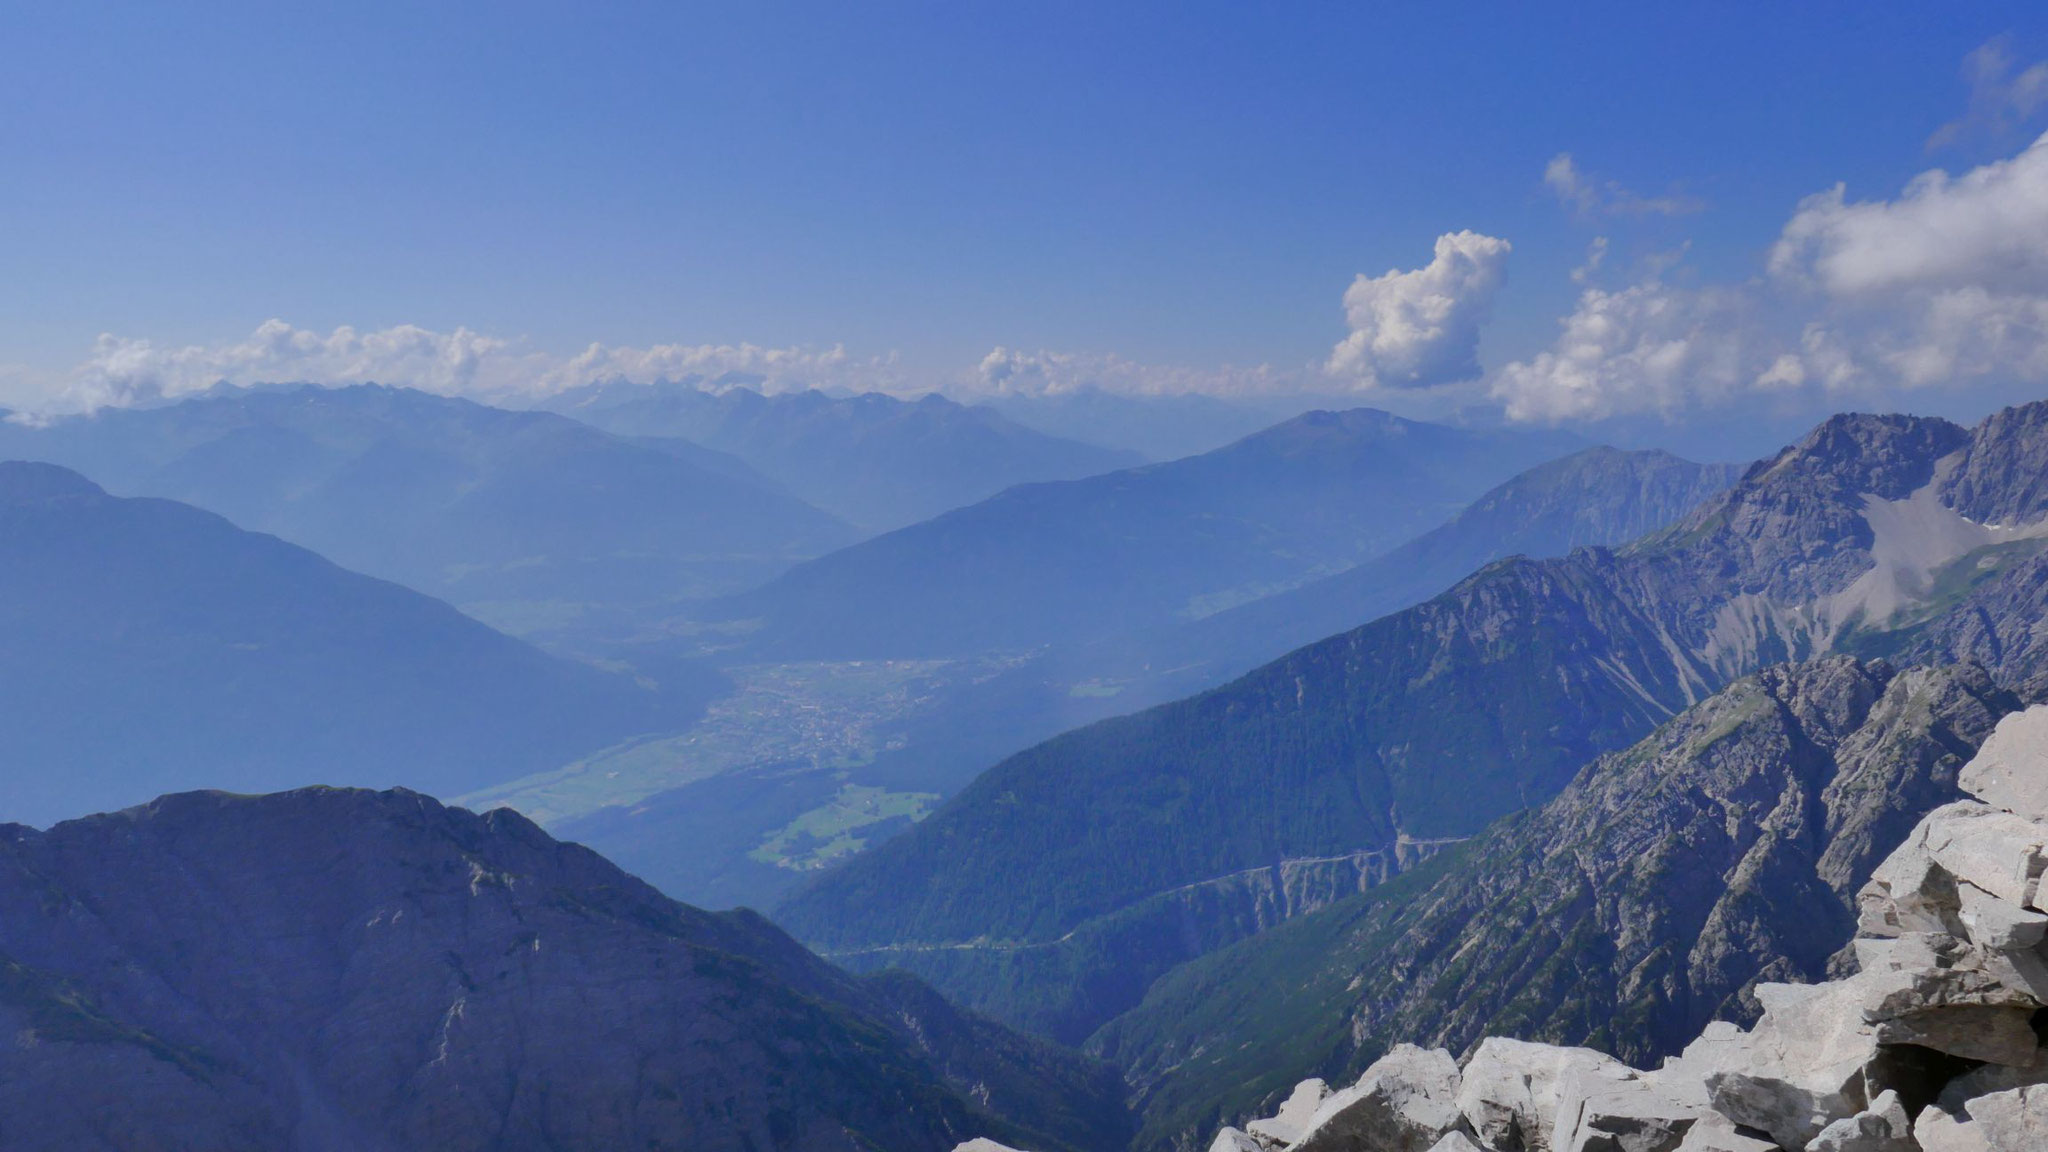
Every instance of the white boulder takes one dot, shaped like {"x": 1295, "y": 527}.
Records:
{"x": 2011, "y": 770}
{"x": 1405, "y": 1102}
{"x": 1716, "y": 1133}
{"x": 1293, "y": 1118}
{"x": 1597, "y": 1113}
{"x": 1235, "y": 1140}
{"x": 1882, "y": 1127}
{"x": 1993, "y": 923}
{"x": 1510, "y": 1089}
{"x": 2007, "y": 1121}
{"x": 1803, "y": 1065}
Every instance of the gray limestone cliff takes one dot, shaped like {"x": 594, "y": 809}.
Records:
{"x": 1928, "y": 1039}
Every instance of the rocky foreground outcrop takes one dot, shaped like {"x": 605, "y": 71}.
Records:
{"x": 1934, "y": 1045}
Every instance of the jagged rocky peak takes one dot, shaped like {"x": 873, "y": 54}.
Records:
{"x": 1933, "y": 1045}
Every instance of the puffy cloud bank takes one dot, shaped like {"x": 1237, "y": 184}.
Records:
{"x": 122, "y": 371}
{"x": 1420, "y": 328}
{"x": 1943, "y": 285}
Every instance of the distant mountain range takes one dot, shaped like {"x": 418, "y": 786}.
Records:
{"x": 1162, "y": 427}
{"x": 334, "y": 969}
{"x": 147, "y": 645}
{"x": 1071, "y": 562}
{"x": 877, "y": 461}
{"x": 1057, "y": 887}
{"x": 1597, "y": 497}
{"x": 530, "y": 520}
{"x": 699, "y": 840}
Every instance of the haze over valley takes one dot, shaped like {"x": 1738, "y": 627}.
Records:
{"x": 1045, "y": 579}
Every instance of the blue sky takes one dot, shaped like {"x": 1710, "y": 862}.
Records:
{"x": 1181, "y": 185}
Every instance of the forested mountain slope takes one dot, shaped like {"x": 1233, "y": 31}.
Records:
{"x": 330, "y": 969}
{"x": 1431, "y": 723}
{"x": 1648, "y": 898}
{"x": 147, "y": 645}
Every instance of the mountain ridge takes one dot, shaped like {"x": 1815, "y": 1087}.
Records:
{"x": 146, "y": 643}
{"x": 875, "y": 460}
{"x": 530, "y": 520}
{"x": 1431, "y": 722}
{"x": 1071, "y": 561}
{"x": 342, "y": 968}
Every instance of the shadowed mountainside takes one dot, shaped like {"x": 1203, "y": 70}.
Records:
{"x": 330, "y": 969}
{"x": 1433, "y": 722}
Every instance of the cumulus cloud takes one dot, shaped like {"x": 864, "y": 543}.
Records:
{"x": 1944, "y": 285}
{"x": 1420, "y": 328}
{"x": 1590, "y": 196}
{"x": 123, "y": 371}
{"x": 1648, "y": 347}
{"x": 1986, "y": 229}
{"x": 1016, "y": 372}
{"x": 2003, "y": 95}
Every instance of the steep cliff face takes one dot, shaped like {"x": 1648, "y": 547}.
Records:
{"x": 1648, "y": 898}
{"x": 331, "y": 969}
{"x": 1436, "y": 721}
{"x": 1928, "y": 1041}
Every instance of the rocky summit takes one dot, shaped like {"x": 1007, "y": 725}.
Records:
{"x": 334, "y": 969}
{"x": 1933, "y": 1044}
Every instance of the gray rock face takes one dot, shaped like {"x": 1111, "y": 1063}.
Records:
{"x": 1883, "y": 1127}
{"x": 1406, "y": 1102}
{"x": 2006, "y": 1121}
{"x": 1456, "y": 712}
{"x": 1716, "y": 1133}
{"x": 1603, "y": 1114}
{"x": 1928, "y": 1047}
{"x": 1651, "y": 897}
{"x": 1295, "y": 1115}
{"x": 332, "y": 969}
{"x": 1509, "y": 1094}
{"x": 2007, "y": 772}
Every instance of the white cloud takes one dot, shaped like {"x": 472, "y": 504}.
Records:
{"x": 2002, "y": 95}
{"x": 123, "y": 371}
{"x": 1986, "y": 229}
{"x": 1420, "y": 328}
{"x": 1015, "y": 372}
{"x": 1649, "y": 347}
{"x": 1943, "y": 286}
{"x": 1589, "y": 196}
